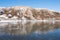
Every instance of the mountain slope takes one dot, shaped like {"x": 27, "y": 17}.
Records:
{"x": 28, "y": 13}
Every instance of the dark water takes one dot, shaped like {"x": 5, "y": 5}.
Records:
{"x": 30, "y": 31}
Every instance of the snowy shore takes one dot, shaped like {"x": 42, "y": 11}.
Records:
{"x": 29, "y": 20}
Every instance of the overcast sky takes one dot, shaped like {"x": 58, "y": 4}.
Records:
{"x": 49, "y": 4}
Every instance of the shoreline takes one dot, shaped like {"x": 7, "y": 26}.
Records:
{"x": 30, "y": 20}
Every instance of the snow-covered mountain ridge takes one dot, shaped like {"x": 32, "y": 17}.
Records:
{"x": 28, "y": 13}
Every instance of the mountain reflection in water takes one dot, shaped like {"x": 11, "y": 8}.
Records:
{"x": 30, "y": 30}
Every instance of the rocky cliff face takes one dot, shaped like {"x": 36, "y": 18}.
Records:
{"x": 28, "y": 13}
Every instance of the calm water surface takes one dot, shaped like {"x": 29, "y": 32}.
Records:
{"x": 30, "y": 30}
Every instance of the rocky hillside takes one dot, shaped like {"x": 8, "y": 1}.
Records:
{"x": 28, "y": 13}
